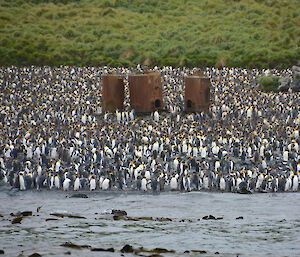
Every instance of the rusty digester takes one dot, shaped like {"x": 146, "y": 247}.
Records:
{"x": 113, "y": 92}
{"x": 197, "y": 94}
{"x": 145, "y": 92}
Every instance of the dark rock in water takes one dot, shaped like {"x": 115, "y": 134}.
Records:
{"x": 35, "y": 255}
{"x": 58, "y": 215}
{"x": 145, "y": 218}
{"x": 209, "y": 217}
{"x": 51, "y": 219}
{"x": 119, "y": 217}
{"x": 2, "y": 251}
{"x": 156, "y": 251}
{"x": 71, "y": 245}
{"x": 26, "y": 213}
{"x": 18, "y": 214}
{"x": 164, "y": 219}
{"x": 103, "y": 250}
{"x": 17, "y": 220}
{"x": 79, "y": 195}
{"x": 187, "y": 251}
{"x": 217, "y": 253}
{"x": 74, "y": 246}
{"x": 68, "y": 253}
{"x": 132, "y": 219}
{"x": 62, "y": 215}
{"x": 155, "y": 255}
{"x": 119, "y": 212}
{"x": 199, "y": 251}
{"x": 75, "y": 216}
{"x": 239, "y": 218}
{"x": 127, "y": 249}
{"x": 186, "y": 220}
{"x": 161, "y": 250}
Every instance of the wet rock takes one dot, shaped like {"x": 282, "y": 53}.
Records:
{"x": 26, "y": 213}
{"x": 219, "y": 218}
{"x": 164, "y": 219}
{"x": 199, "y": 251}
{"x": 239, "y": 218}
{"x": 119, "y": 212}
{"x": 117, "y": 217}
{"x": 71, "y": 245}
{"x": 51, "y": 219}
{"x": 132, "y": 219}
{"x": 156, "y": 251}
{"x": 2, "y": 251}
{"x": 75, "y": 216}
{"x": 209, "y": 217}
{"x": 15, "y": 214}
{"x": 35, "y": 255}
{"x": 62, "y": 215}
{"x": 155, "y": 255}
{"x": 68, "y": 253}
{"x": 139, "y": 218}
{"x": 145, "y": 218}
{"x": 187, "y": 251}
{"x": 74, "y": 246}
{"x": 58, "y": 215}
{"x": 217, "y": 253}
{"x": 17, "y": 220}
{"x": 161, "y": 250}
{"x": 127, "y": 249}
{"x": 79, "y": 195}
{"x": 103, "y": 250}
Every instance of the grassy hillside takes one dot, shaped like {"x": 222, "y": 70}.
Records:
{"x": 248, "y": 33}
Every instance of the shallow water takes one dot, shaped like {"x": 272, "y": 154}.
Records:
{"x": 270, "y": 224}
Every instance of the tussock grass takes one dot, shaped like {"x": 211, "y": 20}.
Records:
{"x": 269, "y": 83}
{"x": 248, "y": 33}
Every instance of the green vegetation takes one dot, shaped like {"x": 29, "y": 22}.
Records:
{"x": 248, "y": 33}
{"x": 269, "y": 83}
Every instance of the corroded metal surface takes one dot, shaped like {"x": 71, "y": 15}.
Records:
{"x": 197, "y": 94}
{"x": 145, "y": 92}
{"x": 113, "y": 92}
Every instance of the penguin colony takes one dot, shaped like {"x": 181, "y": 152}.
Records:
{"x": 55, "y": 136}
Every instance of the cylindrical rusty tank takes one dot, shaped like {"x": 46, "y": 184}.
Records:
{"x": 113, "y": 92}
{"x": 197, "y": 94}
{"x": 145, "y": 92}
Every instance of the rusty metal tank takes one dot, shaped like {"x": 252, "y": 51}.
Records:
{"x": 197, "y": 94}
{"x": 113, "y": 92}
{"x": 145, "y": 92}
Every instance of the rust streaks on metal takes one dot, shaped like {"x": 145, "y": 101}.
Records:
{"x": 113, "y": 92}
{"x": 197, "y": 94}
{"x": 145, "y": 92}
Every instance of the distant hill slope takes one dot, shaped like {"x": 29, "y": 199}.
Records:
{"x": 246, "y": 33}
